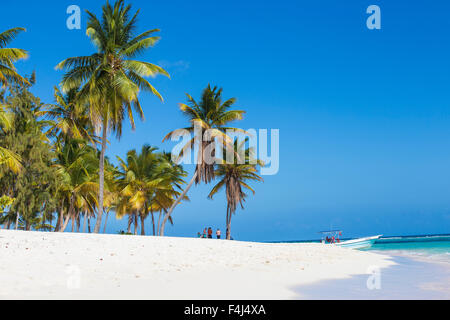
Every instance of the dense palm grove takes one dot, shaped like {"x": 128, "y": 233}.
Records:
{"x": 54, "y": 174}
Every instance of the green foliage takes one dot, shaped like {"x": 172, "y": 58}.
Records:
{"x": 211, "y": 114}
{"x": 53, "y": 164}
{"x": 147, "y": 182}
{"x": 35, "y": 184}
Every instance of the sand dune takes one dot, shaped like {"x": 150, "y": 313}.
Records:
{"x": 87, "y": 266}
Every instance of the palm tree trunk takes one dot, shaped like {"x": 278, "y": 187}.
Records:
{"x": 167, "y": 215}
{"x": 153, "y": 222}
{"x": 228, "y": 224}
{"x": 60, "y": 217}
{"x": 89, "y": 224}
{"x": 135, "y": 223}
{"x": 78, "y": 222}
{"x": 61, "y": 222}
{"x": 66, "y": 222}
{"x": 106, "y": 220}
{"x": 58, "y": 221}
{"x": 130, "y": 222}
{"x": 84, "y": 222}
{"x": 17, "y": 221}
{"x": 158, "y": 227}
{"x": 102, "y": 178}
{"x": 69, "y": 214}
{"x": 142, "y": 226}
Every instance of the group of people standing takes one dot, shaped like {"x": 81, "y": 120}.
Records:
{"x": 208, "y": 233}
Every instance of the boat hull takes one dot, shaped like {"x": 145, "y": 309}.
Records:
{"x": 360, "y": 243}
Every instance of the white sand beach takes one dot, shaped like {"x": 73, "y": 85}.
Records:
{"x": 86, "y": 266}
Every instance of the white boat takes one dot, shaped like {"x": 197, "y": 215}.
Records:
{"x": 332, "y": 237}
{"x": 360, "y": 243}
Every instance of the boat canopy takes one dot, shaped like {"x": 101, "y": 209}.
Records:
{"x": 330, "y": 231}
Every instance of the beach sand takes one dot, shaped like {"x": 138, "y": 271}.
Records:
{"x": 38, "y": 265}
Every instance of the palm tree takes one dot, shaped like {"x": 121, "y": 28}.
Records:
{"x": 8, "y": 73}
{"x": 147, "y": 183}
{"x": 68, "y": 120}
{"x": 211, "y": 115}
{"x": 77, "y": 166}
{"x": 110, "y": 80}
{"x": 234, "y": 177}
{"x": 7, "y": 158}
{"x": 135, "y": 179}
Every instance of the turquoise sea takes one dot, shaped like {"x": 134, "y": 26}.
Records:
{"x": 428, "y": 247}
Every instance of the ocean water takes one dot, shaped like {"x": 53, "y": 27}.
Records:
{"x": 424, "y": 247}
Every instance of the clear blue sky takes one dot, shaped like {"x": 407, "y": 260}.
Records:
{"x": 364, "y": 115}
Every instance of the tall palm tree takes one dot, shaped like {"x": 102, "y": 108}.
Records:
{"x": 8, "y": 72}
{"x": 234, "y": 176}
{"x": 110, "y": 80}
{"x": 212, "y": 115}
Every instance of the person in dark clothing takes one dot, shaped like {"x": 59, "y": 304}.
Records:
{"x": 210, "y": 232}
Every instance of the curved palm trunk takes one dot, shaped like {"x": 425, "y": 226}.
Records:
{"x": 66, "y": 222}
{"x": 101, "y": 188}
{"x": 167, "y": 215}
